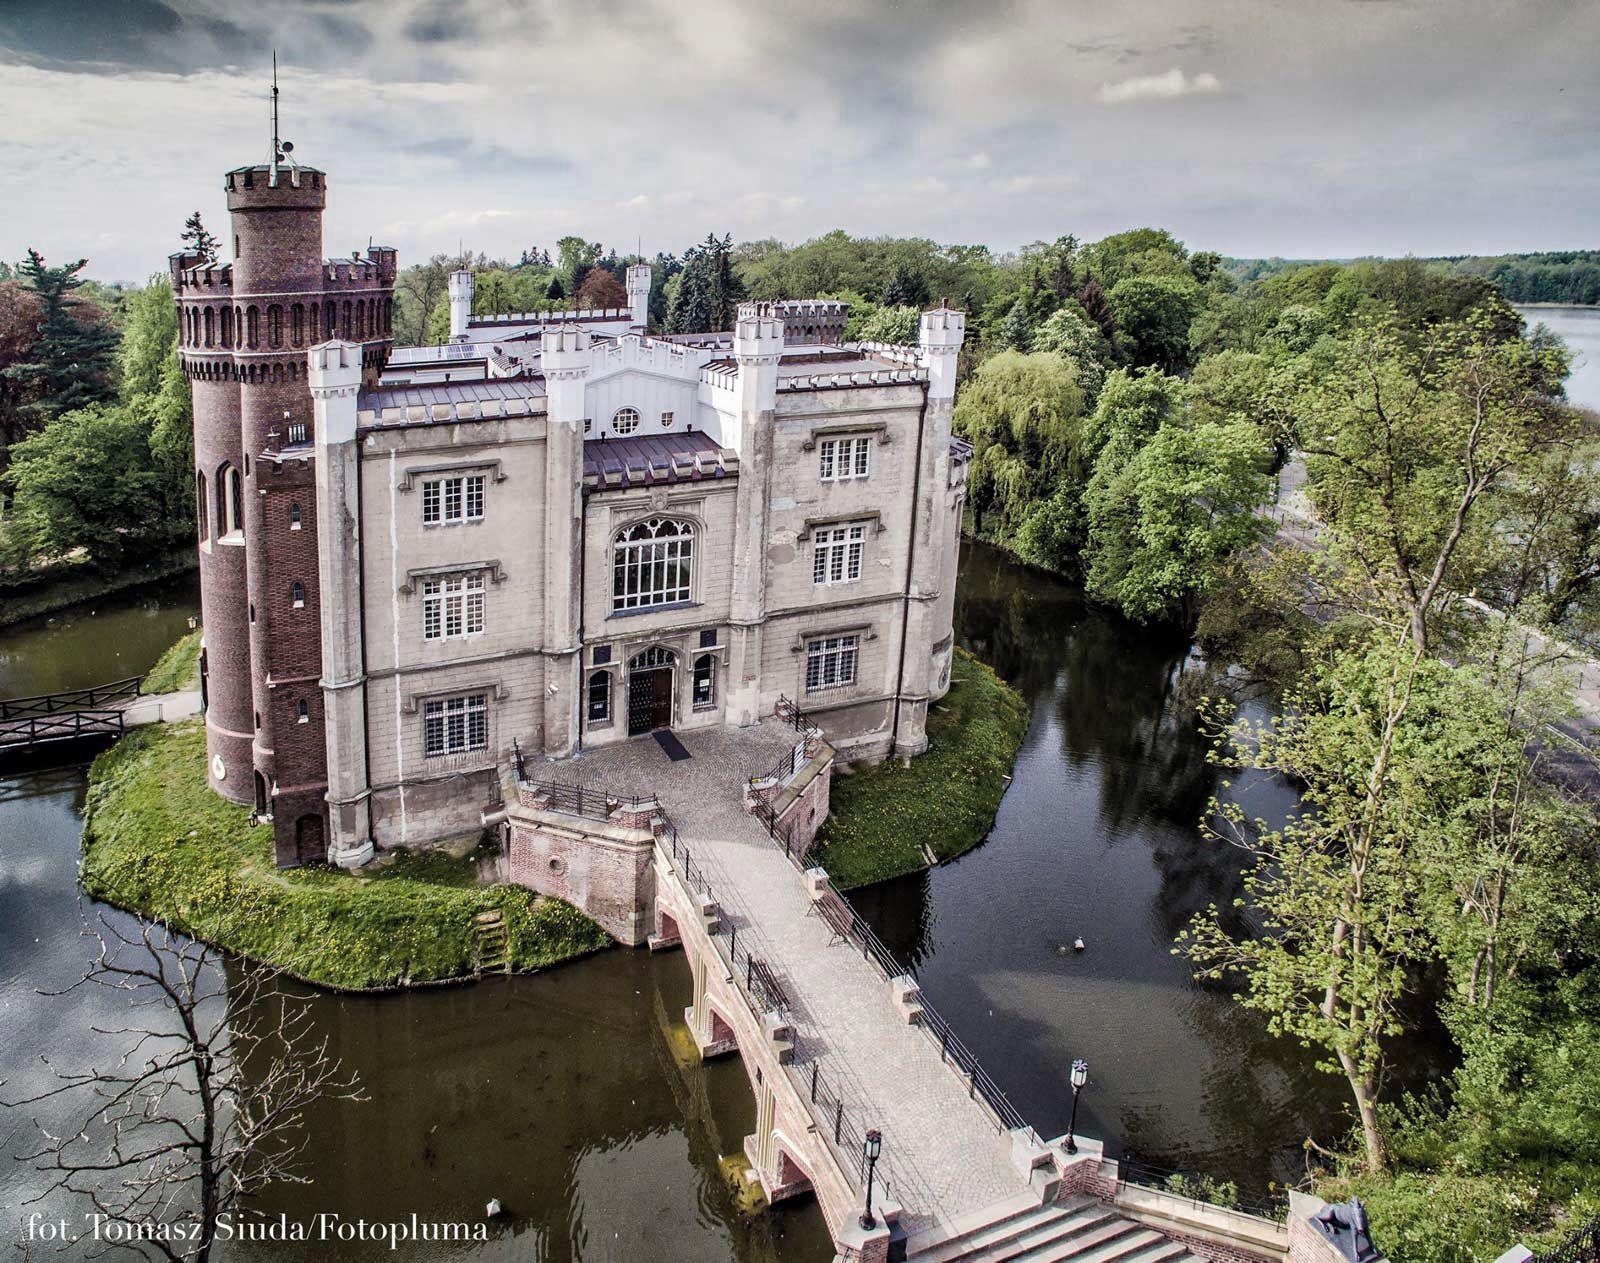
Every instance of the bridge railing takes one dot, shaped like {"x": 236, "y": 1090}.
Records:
{"x": 841, "y": 1124}
{"x": 20, "y": 732}
{"x": 1202, "y": 1189}
{"x": 92, "y": 698}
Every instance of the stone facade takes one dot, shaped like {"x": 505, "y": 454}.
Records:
{"x": 551, "y": 534}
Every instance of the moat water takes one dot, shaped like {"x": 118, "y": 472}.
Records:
{"x": 562, "y": 1095}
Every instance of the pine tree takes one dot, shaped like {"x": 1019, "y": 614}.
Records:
{"x": 690, "y": 310}
{"x": 70, "y": 363}
{"x": 555, "y": 291}
{"x": 198, "y": 240}
{"x": 725, "y": 291}
{"x": 905, "y": 288}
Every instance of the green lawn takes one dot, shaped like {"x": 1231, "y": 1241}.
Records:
{"x": 881, "y": 816}
{"x": 177, "y": 669}
{"x": 159, "y": 842}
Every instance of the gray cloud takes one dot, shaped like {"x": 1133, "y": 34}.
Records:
{"x": 1347, "y": 127}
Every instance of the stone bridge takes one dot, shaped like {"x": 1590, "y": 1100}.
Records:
{"x": 835, "y": 1037}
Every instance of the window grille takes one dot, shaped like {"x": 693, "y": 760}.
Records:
{"x": 831, "y": 662}
{"x": 600, "y": 697}
{"x": 838, "y": 553}
{"x": 455, "y": 725}
{"x": 705, "y": 680}
{"x": 452, "y": 500}
{"x": 625, "y": 421}
{"x": 652, "y": 564}
{"x": 845, "y": 459}
{"x": 452, "y": 606}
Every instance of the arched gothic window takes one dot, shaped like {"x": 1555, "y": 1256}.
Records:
{"x": 294, "y": 516}
{"x": 200, "y": 502}
{"x": 652, "y": 564}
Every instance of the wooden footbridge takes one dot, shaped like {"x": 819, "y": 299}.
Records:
{"x": 97, "y": 715}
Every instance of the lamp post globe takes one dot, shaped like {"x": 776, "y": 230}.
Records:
{"x": 1080, "y": 1076}
{"x": 872, "y": 1149}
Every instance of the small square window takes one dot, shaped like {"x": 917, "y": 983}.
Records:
{"x": 602, "y": 655}
{"x": 666, "y": 420}
{"x": 708, "y": 638}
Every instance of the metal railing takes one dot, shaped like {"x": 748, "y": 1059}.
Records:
{"x": 579, "y": 800}
{"x": 26, "y": 731}
{"x": 1583, "y": 1246}
{"x": 838, "y": 1122}
{"x": 792, "y": 715}
{"x": 1201, "y": 1189}
{"x": 90, "y": 698}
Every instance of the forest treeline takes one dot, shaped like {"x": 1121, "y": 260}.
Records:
{"x": 1548, "y": 276}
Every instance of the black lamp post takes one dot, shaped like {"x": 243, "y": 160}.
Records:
{"x": 1080, "y": 1076}
{"x": 873, "y": 1149}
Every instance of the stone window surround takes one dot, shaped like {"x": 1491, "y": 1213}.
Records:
{"x": 866, "y": 517}
{"x": 878, "y": 431}
{"x": 497, "y": 573}
{"x": 411, "y": 702}
{"x": 412, "y": 475}
{"x": 866, "y": 631}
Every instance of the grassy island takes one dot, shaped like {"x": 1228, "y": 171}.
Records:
{"x": 883, "y": 816}
{"x": 158, "y": 842}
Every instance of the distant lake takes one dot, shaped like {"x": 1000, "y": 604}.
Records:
{"x": 1580, "y": 326}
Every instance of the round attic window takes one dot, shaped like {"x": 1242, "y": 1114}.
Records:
{"x": 626, "y": 421}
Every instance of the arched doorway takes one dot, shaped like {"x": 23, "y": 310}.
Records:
{"x": 650, "y": 676}
{"x": 308, "y": 845}
{"x": 261, "y": 794}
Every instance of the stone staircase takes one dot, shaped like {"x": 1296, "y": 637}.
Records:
{"x": 1082, "y": 1229}
{"x": 490, "y": 951}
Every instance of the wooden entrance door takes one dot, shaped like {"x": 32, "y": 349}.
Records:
{"x": 649, "y": 700}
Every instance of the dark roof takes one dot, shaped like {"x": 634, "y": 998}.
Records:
{"x": 642, "y": 460}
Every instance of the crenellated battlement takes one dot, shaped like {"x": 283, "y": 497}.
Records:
{"x": 588, "y": 314}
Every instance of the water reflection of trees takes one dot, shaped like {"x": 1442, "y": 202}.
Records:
{"x": 1111, "y": 686}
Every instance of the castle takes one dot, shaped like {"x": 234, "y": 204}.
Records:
{"x": 554, "y": 532}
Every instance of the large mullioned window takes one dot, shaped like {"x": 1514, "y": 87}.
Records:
{"x": 653, "y": 564}
{"x": 455, "y": 725}
{"x": 452, "y": 606}
{"x": 838, "y": 553}
{"x": 845, "y": 459}
{"x": 831, "y": 662}
{"x": 449, "y": 500}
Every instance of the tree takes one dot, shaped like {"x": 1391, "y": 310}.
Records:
{"x": 88, "y": 481}
{"x": 601, "y": 290}
{"x": 1164, "y": 516}
{"x": 708, "y": 292}
{"x": 906, "y": 288}
{"x": 1408, "y": 447}
{"x": 19, "y": 325}
{"x": 1335, "y": 889}
{"x": 149, "y": 335}
{"x": 209, "y": 1105}
{"x": 1138, "y": 251}
{"x": 1153, "y": 315}
{"x": 1092, "y": 298}
{"x": 70, "y": 362}
{"x": 555, "y": 291}
{"x": 574, "y": 258}
{"x": 897, "y": 326}
{"x": 198, "y": 240}
{"x": 1022, "y": 414}
{"x": 1070, "y": 334}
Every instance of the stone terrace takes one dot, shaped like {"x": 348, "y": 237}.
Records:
{"x": 943, "y": 1157}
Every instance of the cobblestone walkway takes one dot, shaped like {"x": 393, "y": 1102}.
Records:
{"x": 942, "y": 1154}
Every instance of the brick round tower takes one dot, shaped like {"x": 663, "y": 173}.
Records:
{"x": 245, "y": 331}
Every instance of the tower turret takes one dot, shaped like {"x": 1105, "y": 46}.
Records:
{"x": 639, "y": 293}
{"x": 461, "y": 287}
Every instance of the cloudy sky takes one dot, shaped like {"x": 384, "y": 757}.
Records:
{"x": 1301, "y": 127}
